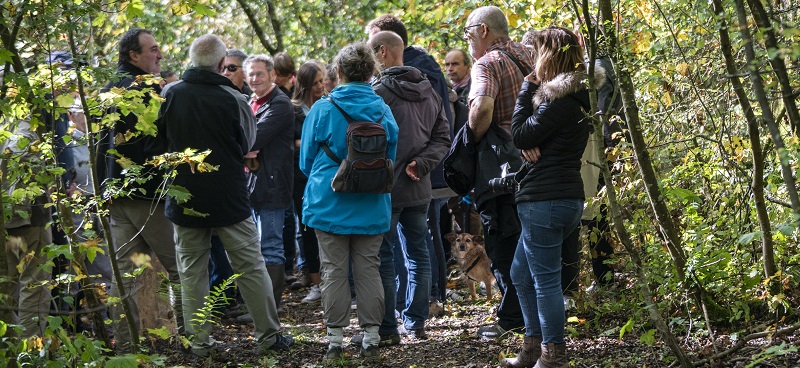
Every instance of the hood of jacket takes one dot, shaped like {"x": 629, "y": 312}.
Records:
{"x": 566, "y": 84}
{"x": 407, "y": 82}
{"x": 358, "y": 100}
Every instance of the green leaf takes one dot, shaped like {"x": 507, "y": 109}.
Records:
{"x": 649, "y": 337}
{"x": 3, "y": 328}
{"x": 65, "y": 100}
{"x": 179, "y": 193}
{"x": 99, "y": 19}
{"x": 6, "y": 56}
{"x": 191, "y": 212}
{"x": 161, "y": 333}
{"x": 749, "y": 237}
{"x": 203, "y": 10}
{"x": 628, "y": 327}
{"x": 124, "y": 361}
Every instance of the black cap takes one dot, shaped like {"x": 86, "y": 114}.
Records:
{"x": 60, "y": 57}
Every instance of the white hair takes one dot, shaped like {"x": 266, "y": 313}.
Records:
{"x": 493, "y": 17}
{"x": 207, "y": 51}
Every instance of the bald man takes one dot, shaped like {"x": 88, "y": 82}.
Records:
{"x": 423, "y": 141}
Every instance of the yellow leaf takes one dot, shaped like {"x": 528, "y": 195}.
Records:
{"x": 513, "y": 20}
{"x": 140, "y": 259}
{"x": 682, "y": 68}
{"x": 666, "y": 99}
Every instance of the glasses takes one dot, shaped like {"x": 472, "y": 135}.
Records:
{"x": 231, "y": 68}
{"x": 466, "y": 29}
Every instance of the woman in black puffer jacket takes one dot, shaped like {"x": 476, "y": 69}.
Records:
{"x": 550, "y": 126}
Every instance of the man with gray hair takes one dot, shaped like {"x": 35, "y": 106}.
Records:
{"x": 233, "y": 68}
{"x": 205, "y": 111}
{"x": 500, "y": 67}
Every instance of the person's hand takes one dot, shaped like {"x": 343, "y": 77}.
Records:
{"x": 532, "y": 78}
{"x": 531, "y": 155}
{"x": 252, "y": 154}
{"x": 411, "y": 171}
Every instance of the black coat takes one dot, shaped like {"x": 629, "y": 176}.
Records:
{"x": 138, "y": 149}
{"x": 205, "y": 111}
{"x": 554, "y": 118}
{"x": 275, "y": 141}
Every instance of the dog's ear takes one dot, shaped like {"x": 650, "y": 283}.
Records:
{"x": 451, "y": 237}
{"x": 477, "y": 239}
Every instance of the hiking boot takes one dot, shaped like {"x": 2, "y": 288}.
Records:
{"x": 370, "y": 352}
{"x": 492, "y": 333}
{"x": 386, "y": 340}
{"x": 282, "y": 342}
{"x": 528, "y": 355}
{"x": 414, "y": 333}
{"x": 333, "y": 355}
{"x": 553, "y": 356}
{"x": 302, "y": 282}
{"x": 245, "y": 318}
{"x": 314, "y": 294}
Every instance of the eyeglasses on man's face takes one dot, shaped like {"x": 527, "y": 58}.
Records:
{"x": 231, "y": 68}
{"x": 467, "y": 28}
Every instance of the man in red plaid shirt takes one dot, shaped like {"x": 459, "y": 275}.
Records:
{"x": 496, "y": 80}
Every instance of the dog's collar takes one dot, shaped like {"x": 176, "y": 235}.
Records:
{"x": 475, "y": 263}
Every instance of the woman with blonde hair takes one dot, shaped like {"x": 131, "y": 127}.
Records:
{"x": 550, "y": 126}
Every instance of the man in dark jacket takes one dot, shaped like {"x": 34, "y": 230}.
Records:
{"x": 274, "y": 147}
{"x": 138, "y": 224}
{"x": 205, "y": 111}
{"x": 424, "y": 140}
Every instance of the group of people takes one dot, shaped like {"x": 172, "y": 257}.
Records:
{"x": 274, "y": 135}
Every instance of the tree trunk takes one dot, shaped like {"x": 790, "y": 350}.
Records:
{"x": 155, "y": 310}
{"x": 757, "y": 184}
{"x": 776, "y": 60}
{"x": 766, "y": 111}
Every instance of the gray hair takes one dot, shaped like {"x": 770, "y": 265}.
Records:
{"x": 356, "y": 62}
{"x": 492, "y": 17}
{"x": 207, "y": 51}
{"x": 258, "y": 58}
{"x": 237, "y": 54}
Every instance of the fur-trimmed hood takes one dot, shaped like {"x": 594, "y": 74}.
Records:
{"x": 566, "y": 84}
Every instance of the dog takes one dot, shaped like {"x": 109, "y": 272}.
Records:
{"x": 472, "y": 260}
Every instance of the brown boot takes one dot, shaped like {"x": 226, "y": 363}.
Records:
{"x": 530, "y": 352}
{"x": 553, "y": 356}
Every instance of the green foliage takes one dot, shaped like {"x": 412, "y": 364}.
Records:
{"x": 209, "y": 313}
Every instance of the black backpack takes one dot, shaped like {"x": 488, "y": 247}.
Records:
{"x": 366, "y": 169}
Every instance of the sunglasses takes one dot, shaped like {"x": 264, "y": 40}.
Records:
{"x": 231, "y": 68}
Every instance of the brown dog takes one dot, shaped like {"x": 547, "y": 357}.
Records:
{"x": 472, "y": 260}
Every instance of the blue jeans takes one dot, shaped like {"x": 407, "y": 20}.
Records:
{"x": 400, "y": 269}
{"x": 269, "y": 223}
{"x": 436, "y": 249}
{"x": 536, "y": 269}
{"x": 415, "y": 228}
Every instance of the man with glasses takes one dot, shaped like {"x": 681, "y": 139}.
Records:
{"x": 274, "y": 147}
{"x": 500, "y": 67}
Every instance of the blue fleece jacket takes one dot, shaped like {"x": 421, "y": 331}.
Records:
{"x": 324, "y": 209}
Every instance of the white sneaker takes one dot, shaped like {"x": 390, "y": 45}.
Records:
{"x": 314, "y": 294}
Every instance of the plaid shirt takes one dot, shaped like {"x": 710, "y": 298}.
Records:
{"x": 497, "y": 76}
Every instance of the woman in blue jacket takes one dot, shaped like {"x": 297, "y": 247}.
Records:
{"x": 349, "y": 226}
{"x": 550, "y": 126}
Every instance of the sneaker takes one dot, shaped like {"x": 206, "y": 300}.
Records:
{"x": 314, "y": 294}
{"x": 370, "y": 352}
{"x": 282, "y": 342}
{"x": 333, "y": 355}
{"x": 569, "y": 303}
{"x": 415, "y": 333}
{"x": 490, "y": 333}
{"x": 386, "y": 340}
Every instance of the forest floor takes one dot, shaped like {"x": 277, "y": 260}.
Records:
{"x": 452, "y": 342}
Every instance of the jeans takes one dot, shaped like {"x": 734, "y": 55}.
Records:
{"x": 289, "y": 238}
{"x": 536, "y": 270}
{"x": 269, "y": 223}
{"x": 415, "y": 228}
{"x": 400, "y": 269}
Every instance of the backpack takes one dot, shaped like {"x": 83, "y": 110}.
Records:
{"x": 366, "y": 169}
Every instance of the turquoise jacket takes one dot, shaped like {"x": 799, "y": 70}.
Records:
{"x": 323, "y": 209}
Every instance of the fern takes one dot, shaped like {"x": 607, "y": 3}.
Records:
{"x": 210, "y": 312}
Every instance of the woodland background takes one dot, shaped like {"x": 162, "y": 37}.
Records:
{"x": 704, "y": 204}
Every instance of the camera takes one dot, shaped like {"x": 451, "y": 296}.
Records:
{"x": 505, "y": 183}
